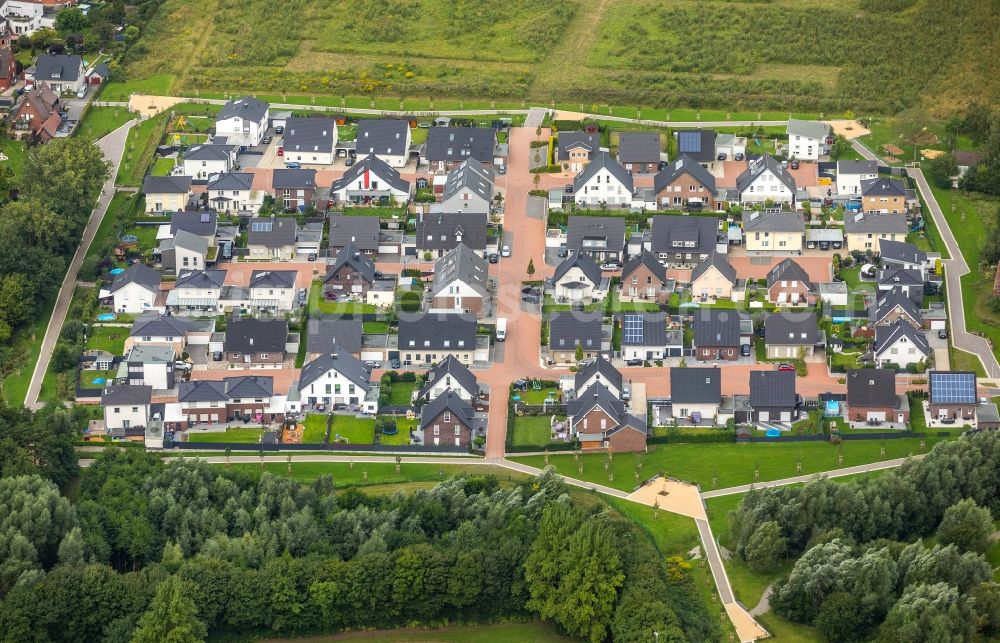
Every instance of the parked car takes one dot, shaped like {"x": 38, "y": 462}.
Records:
{"x": 217, "y": 356}
{"x": 280, "y": 129}
{"x": 634, "y": 362}
{"x": 530, "y": 299}
{"x": 312, "y": 256}
{"x": 568, "y": 189}
{"x": 563, "y": 251}
{"x": 722, "y": 156}
{"x": 266, "y": 140}
{"x": 811, "y": 245}
{"x": 745, "y": 350}
{"x": 824, "y": 245}
{"x": 585, "y": 362}
{"x": 292, "y": 165}
{"x": 611, "y": 265}
{"x": 739, "y": 156}
{"x": 394, "y": 362}
{"x": 529, "y": 290}
{"x": 82, "y": 92}
{"x": 371, "y": 363}
{"x": 494, "y": 257}
{"x": 349, "y": 162}
{"x": 795, "y": 164}
{"x": 785, "y": 367}
{"x": 942, "y": 334}
{"x": 281, "y": 151}
{"x": 505, "y": 251}
{"x": 502, "y": 170}
{"x": 837, "y": 245}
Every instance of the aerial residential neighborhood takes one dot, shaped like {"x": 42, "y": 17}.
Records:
{"x": 373, "y": 303}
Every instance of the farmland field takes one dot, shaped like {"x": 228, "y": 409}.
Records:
{"x": 825, "y": 56}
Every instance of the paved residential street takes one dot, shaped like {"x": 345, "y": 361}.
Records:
{"x": 112, "y": 146}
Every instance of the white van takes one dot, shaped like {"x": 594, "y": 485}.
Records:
{"x": 501, "y": 328}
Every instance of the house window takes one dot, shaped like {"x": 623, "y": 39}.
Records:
{"x": 263, "y": 355}
{"x": 447, "y": 416}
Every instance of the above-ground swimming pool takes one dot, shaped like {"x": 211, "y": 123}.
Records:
{"x": 98, "y": 381}
{"x": 832, "y": 408}
{"x": 117, "y": 271}
{"x": 106, "y": 317}
{"x": 774, "y": 433}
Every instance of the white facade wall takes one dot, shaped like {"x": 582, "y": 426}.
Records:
{"x": 124, "y": 416}
{"x": 133, "y": 298}
{"x": 603, "y": 187}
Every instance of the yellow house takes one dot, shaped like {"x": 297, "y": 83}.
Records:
{"x": 713, "y": 278}
{"x": 865, "y": 231}
{"x": 166, "y": 193}
{"x": 777, "y": 233}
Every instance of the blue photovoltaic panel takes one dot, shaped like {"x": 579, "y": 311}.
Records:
{"x": 953, "y": 388}
{"x": 689, "y": 141}
{"x": 632, "y": 329}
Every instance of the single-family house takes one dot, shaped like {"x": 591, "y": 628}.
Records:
{"x": 576, "y": 149}
{"x": 644, "y": 278}
{"x": 891, "y": 305}
{"x": 248, "y": 397}
{"x": 684, "y": 241}
{"x": 901, "y": 344}
{"x": 883, "y": 196}
{"x": 765, "y": 180}
{"x": 126, "y": 407}
{"x": 468, "y": 188}
{"x": 439, "y": 233}
{"x": 36, "y": 114}
{"x": 790, "y": 335}
{"x": 370, "y": 181}
{"x": 272, "y": 290}
{"x": 148, "y": 365}
{"x": 334, "y": 377}
{"x": 718, "y": 334}
{"x": 293, "y": 189}
{"x": 713, "y": 278}
{"x": 644, "y": 336}
{"x": 243, "y": 121}
{"x": 965, "y": 160}
{"x": 448, "y": 419}
{"x": 154, "y": 328}
{"x": 461, "y": 282}
{"x": 639, "y": 152}
{"x": 685, "y": 184}
{"x": 599, "y": 419}
{"x": 203, "y": 402}
{"x": 698, "y": 144}
{"x": 363, "y": 232}
{"x": 788, "y": 284}
{"x": 197, "y": 292}
{"x": 909, "y": 280}
{"x": 135, "y": 290}
{"x": 350, "y": 273}
{"x": 447, "y": 147}
{"x": 166, "y": 193}
{"x": 231, "y": 193}
{"x": 183, "y": 251}
{"x": 8, "y": 66}
{"x": 899, "y": 254}
{"x": 255, "y": 343}
{"x": 323, "y": 332}
{"x": 204, "y": 224}
{"x": 386, "y": 138}
{"x": 695, "y": 394}
{"x": 202, "y": 161}
{"x": 428, "y": 338}
{"x": 773, "y": 397}
{"x": 603, "y": 182}
{"x": 271, "y": 238}
{"x": 951, "y": 396}
{"x": 872, "y": 397}
{"x": 599, "y": 371}
{"x": 850, "y": 175}
{"x": 773, "y": 233}
{"x": 578, "y": 278}
{"x": 865, "y": 231}
{"x": 603, "y": 238}
{"x": 807, "y": 140}
{"x": 309, "y": 140}
{"x": 567, "y": 330}
{"x": 450, "y": 375}
{"x": 62, "y": 73}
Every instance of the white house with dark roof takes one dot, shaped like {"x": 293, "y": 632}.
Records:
{"x": 765, "y": 180}
{"x": 773, "y": 233}
{"x": 363, "y": 232}
{"x": 126, "y": 406}
{"x": 567, "y": 330}
{"x": 773, "y": 397}
{"x": 310, "y": 140}
{"x": 243, "y": 121}
{"x": 578, "y": 278}
{"x": 899, "y": 343}
{"x": 790, "y": 335}
{"x": 450, "y": 375}
{"x": 431, "y": 337}
{"x": 603, "y": 181}
{"x": 899, "y": 254}
{"x": 166, "y": 193}
{"x": 603, "y": 238}
{"x": 386, "y": 138}
{"x": 135, "y": 290}
{"x": 202, "y": 161}
{"x": 683, "y": 241}
{"x": 334, "y": 377}
{"x": 461, "y": 282}
{"x": 468, "y": 188}
{"x": 639, "y": 152}
{"x": 713, "y": 278}
{"x": 370, "y": 181}
{"x": 807, "y": 140}
{"x": 197, "y": 292}
{"x": 447, "y": 147}
{"x": 184, "y": 251}
{"x": 272, "y": 290}
{"x": 62, "y": 73}
{"x": 866, "y": 231}
{"x": 271, "y": 237}
{"x": 439, "y": 233}
{"x": 850, "y": 174}
{"x": 695, "y": 394}
{"x": 576, "y": 149}
{"x": 644, "y": 335}
{"x": 232, "y": 193}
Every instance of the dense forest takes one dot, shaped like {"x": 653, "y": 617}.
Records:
{"x": 181, "y": 551}
{"x": 857, "y": 577}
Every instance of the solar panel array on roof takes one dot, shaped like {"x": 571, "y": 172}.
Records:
{"x": 953, "y": 388}
{"x": 260, "y": 226}
{"x": 632, "y": 329}
{"x": 689, "y": 142}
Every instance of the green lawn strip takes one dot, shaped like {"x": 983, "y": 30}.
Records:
{"x": 673, "y": 534}
{"x": 101, "y": 121}
{"x": 353, "y": 474}
{"x": 352, "y": 430}
{"x": 87, "y": 378}
{"x": 140, "y": 146}
{"x": 532, "y": 430}
{"x": 16, "y": 153}
{"x": 374, "y": 328}
{"x": 315, "y": 428}
{"x": 110, "y": 339}
{"x": 539, "y": 631}
{"x": 158, "y": 85}
{"x": 163, "y": 166}
{"x": 317, "y": 303}
{"x": 243, "y": 435}
{"x": 111, "y": 221}
{"x": 401, "y": 393}
{"x": 532, "y": 396}
{"x": 731, "y": 464}
{"x": 26, "y": 343}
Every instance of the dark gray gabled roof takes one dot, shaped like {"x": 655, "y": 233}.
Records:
{"x": 272, "y": 279}
{"x": 871, "y": 387}
{"x": 888, "y": 300}
{"x": 886, "y": 336}
{"x": 248, "y": 108}
{"x": 581, "y": 230}
{"x": 350, "y": 256}
{"x": 137, "y": 273}
{"x": 757, "y": 167}
{"x": 460, "y": 264}
{"x": 230, "y": 181}
{"x": 272, "y": 232}
{"x": 203, "y": 224}
{"x": 126, "y": 394}
{"x": 155, "y": 325}
{"x": 582, "y": 261}
{"x": 875, "y": 223}
{"x": 166, "y": 184}
{"x": 190, "y": 241}
{"x": 338, "y": 359}
{"x": 202, "y": 391}
{"x": 603, "y": 160}
{"x": 325, "y": 331}
{"x": 857, "y": 167}
{"x": 883, "y": 187}
{"x": 596, "y": 395}
{"x": 451, "y": 367}
{"x": 790, "y": 329}
{"x": 770, "y": 389}
{"x": 809, "y": 129}
{"x": 671, "y": 230}
{"x": 363, "y": 232}
{"x": 429, "y": 331}
{"x": 248, "y": 335}
{"x": 567, "y": 329}
{"x": 386, "y": 137}
{"x": 684, "y": 165}
{"x": 788, "y": 270}
{"x": 698, "y": 144}
{"x": 716, "y": 327}
{"x": 249, "y": 386}
{"x": 695, "y": 386}
{"x": 571, "y": 140}
{"x": 201, "y": 279}
{"x": 644, "y": 329}
{"x": 900, "y": 251}
{"x": 57, "y": 68}
{"x": 719, "y": 262}
{"x": 648, "y": 259}
{"x": 372, "y": 165}
{"x": 293, "y": 179}
{"x": 599, "y": 366}
{"x": 639, "y": 147}
{"x": 309, "y": 134}
{"x": 471, "y": 175}
{"x": 460, "y": 143}
{"x": 209, "y": 152}
{"x": 900, "y": 276}
{"x": 445, "y": 231}
{"x": 754, "y": 221}
{"x": 447, "y": 401}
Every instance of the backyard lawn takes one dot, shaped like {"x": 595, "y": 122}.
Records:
{"x": 531, "y": 396}
{"x": 117, "y": 209}
{"x": 101, "y": 121}
{"x": 242, "y": 435}
{"x": 315, "y": 429}
{"x": 163, "y": 166}
{"x": 401, "y": 393}
{"x": 533, "y": 430}
{"x": 402, "y": 436}
{"x": 16, "y": 153}
{"x": 108, "y": 338}
{"x": 352, "y": 430}
{"x": 318, "y": 303}
{"x": 374, "y": 328}
{"x": 95, "y": 379}
{"x": 140, "y": 146}
{"x": 158, "y": 85}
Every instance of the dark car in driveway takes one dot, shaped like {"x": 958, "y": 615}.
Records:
{"x": 634, "y": 362}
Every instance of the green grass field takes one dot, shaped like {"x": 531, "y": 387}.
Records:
{"x": 157, "y": 85}
{"x": 377, "y": 473}
{"x": 101, "y": 121}
{"x": 108, "y": 338}
{"x": 163, "y": 167}
{"x": 402, "y": 436}
{"x": 140, "y": 146}
{"x": 243, "y": 435}
{"x": 532, "y": 431}
{"x": 541, "y": 632}
{"x": 111, "y": 221}
{"x": 26, "y": 344}
{"x": 318, "y": 303}
{"x": 401, "y": 393}
{"x": 17, "y": 153}
{"x": 315, "y": 429}
{"x": 352, "y": 430}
